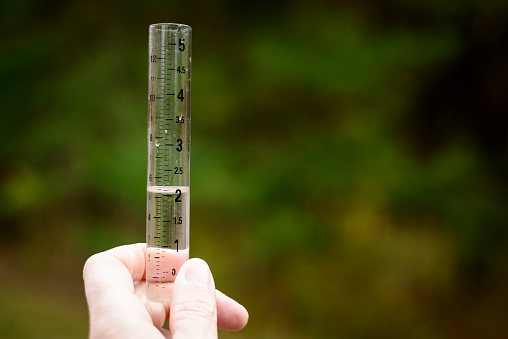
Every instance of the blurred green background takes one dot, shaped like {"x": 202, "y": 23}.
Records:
{"x": 349, "y": 160}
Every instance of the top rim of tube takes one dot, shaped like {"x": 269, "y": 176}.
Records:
{"x": 169, "y": 26}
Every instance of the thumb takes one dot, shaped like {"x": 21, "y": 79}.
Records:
{"x": 193, "y": 309}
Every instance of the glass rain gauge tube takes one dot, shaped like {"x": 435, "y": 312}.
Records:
{"x": 168, "y": 190}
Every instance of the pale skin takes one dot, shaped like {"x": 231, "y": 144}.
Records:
{"x": 115, "y": 291}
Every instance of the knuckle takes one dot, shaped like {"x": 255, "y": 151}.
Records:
{"x": 90, "y": 264}
{"x": 200, "y": 308}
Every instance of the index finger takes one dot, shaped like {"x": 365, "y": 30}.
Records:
{"x": 132, "y": 260}
{"x": 110, "y": 292}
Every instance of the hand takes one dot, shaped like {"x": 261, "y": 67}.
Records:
{"x": 115, "y": 291}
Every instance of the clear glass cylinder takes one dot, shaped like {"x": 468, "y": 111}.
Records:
{"x": 168, "y": 175}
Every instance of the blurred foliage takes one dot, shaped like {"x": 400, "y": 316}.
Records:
{"x": 349, "y": 160}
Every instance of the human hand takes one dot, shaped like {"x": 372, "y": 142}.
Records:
{"x": 115, "y": 291}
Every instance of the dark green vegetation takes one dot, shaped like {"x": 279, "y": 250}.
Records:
{"x": 349, "y": 161}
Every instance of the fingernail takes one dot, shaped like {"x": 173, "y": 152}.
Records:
{"x": 197, "y": 271}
